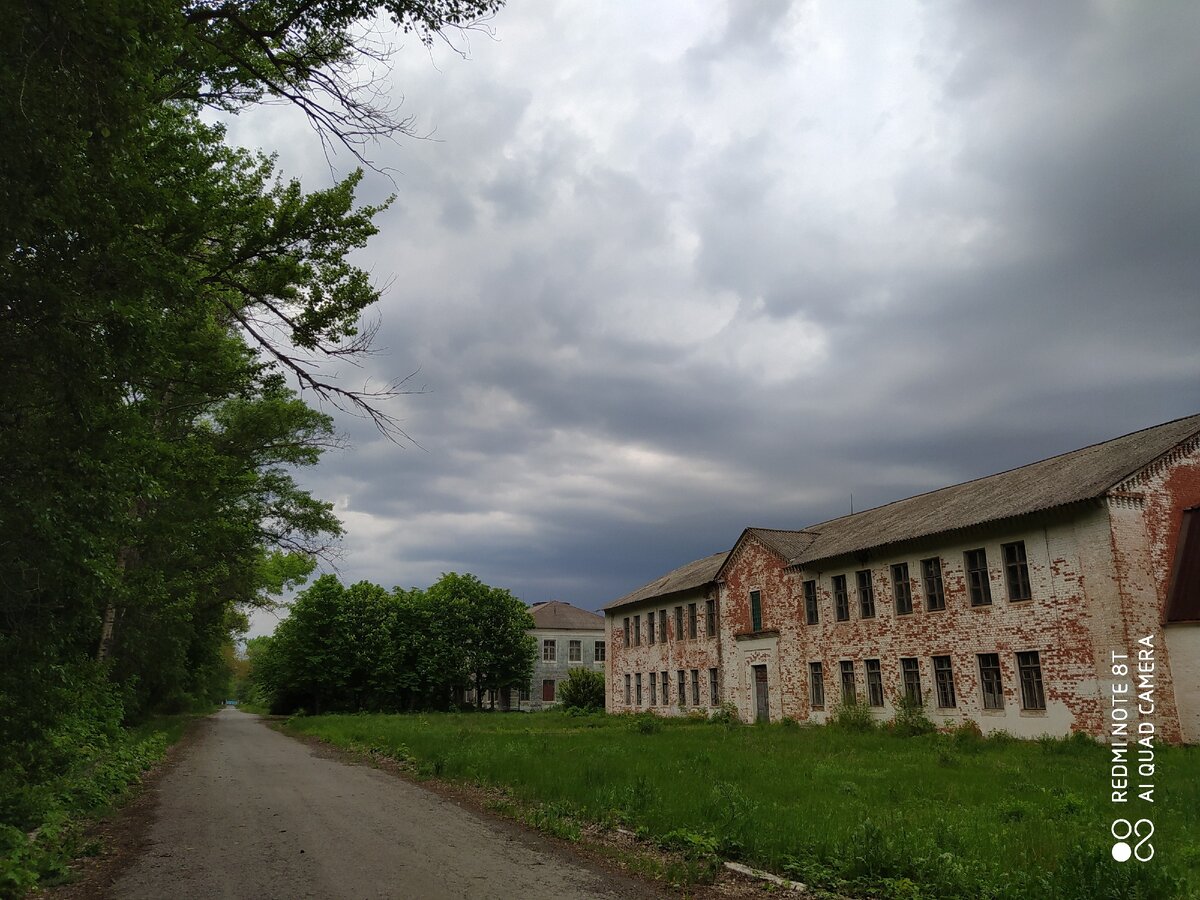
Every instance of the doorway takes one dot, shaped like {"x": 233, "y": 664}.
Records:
{"x": 762, "y": 709}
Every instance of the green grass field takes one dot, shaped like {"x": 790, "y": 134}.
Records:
{"x": 868, "y": 814}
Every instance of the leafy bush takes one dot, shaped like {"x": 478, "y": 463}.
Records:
{"x": 853, "y": 715}
{"x": 911, "y": 718}
{"x": 583, "y": 690}
{"x": 726, "y": 715}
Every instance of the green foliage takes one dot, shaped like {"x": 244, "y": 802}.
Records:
{"x": 853, "y": 715}
{"x": 583, "y": 689}
{"x": 363, "y": 648}
{"x": 911, "y": 719}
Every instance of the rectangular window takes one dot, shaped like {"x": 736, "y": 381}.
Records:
{"x": 990, "y": 682}
{"x": 679, "y": 623}
{"x": 637, "y": 631}
{"x": 931, "y": 573}
{"x": 524, "y": 694}
{"x": 977, "y": 577}
{"x": 1033, "y": 696}
{"x": 1016, "y": 571}
{"x": 637, "y": 687}
{"x": 710, "y": 617}
{"x": 666, "y": 688}
{"x": 874, "y": 683}
{"x": 550, "y": 650}
{"x": 653, "y": 690}
{"x": 849, "y": 694}
{"x": 692, "y": 621}
{"x": 841, "y": 599}
{"x": 628, "y": 692}
{"x": 910, "y": 671}
{"x": 548, "y": 690}
{"x": 650, "y": 628}
{"x": 866, "y": 594}
{"x": 714, "y": 691}
{"x": 943, "y": 677}
{"x": 695, "y": 687}
{"x": 600, "y": 651}
{"x": 682, "y": 688}
{"x": 810, "y": 602}
{"x": 903, "y": 589}
{"x": 756, "y": 610}
{"x": 627, "y": 631}
{"x": 816, "y": 686}
{"x": 662, "y": 625}
{"x": 575, "y": 651}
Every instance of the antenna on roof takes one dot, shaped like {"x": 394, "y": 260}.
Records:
{"x": 852, "y": 503}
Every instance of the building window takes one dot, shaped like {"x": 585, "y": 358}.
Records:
{"x": 599, "y": 653}
{"x": 575, "y": 651}
{"x": 650, "y": 628}
{"x": 849, "y": 694}
{"x": 816, "y": 686}
{"x": 549, "y": 650}
{"x": 548, "y": 690}
{"x": 637, "y": 687}
{"x": 682, "y": 688}
{"x": 810, "y": 602}
{"x": 524, "y": 694}
{"x": 710, "y": 617}
{"x": 841, "y": 599}
{"x": 866, "y": 594}
{"x": 903, "y": 589}
{"x": 637, "y": 631}
{"x": 931, "y": 573}
{"x": 692, "y": 626}
{"x": 628, "y": 692}
{"x": 874, "y": 683}
{"x": 756, "y": 610}
{"x": 662, "y": 625}
{"x": 910, "y": 671}
{"x": 653, "y": 690}
{"x": 977, "y": 577}
{"x": 1016, "y": 571}
{"x": 989, "y": 680}
{"x": 1033, "y": 696}
{"x": 943, "y": 677}
{"x": 714, "y": 692}
{"x": 679, "y": 623}
{"x": 666, "y": 688}
{"x": 627, "y": 631}
{"x": 695, "y": 687}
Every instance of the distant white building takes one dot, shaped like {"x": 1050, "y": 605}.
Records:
{"x": 567, "y": 637}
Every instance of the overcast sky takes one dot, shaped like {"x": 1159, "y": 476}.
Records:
{"x": 671, "y": 270}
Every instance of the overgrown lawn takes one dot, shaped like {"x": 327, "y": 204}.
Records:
{"x": 870, "y": 814}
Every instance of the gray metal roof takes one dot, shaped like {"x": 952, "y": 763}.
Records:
{"x": 559, "y": 616}
{"x": 1069, "y": 478}
{"x": 693, "y": 575}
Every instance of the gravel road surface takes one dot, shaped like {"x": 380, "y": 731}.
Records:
{"x": 251, "y": 813}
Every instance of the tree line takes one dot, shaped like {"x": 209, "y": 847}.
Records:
{"x": 363, "y": 648}
{"x": 161, "y": 292}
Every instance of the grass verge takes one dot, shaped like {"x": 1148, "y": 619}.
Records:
{"x": 55, "y": 813}
{"x": 864, "y": 814}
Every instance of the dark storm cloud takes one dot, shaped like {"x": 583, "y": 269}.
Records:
{"x": 665, "y": 278}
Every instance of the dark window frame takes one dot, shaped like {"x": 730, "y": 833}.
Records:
{"x": 682, "y": 679}
{"x": 693, "y": 621}
{"x": 1016, "y": 571}
{"x": 866, "y": 593}
{"x": 935, "y": 589}
{"x": 600, "y": 651}
{"x": 902, "y": 589}
{"x": 637, "y": 687}
{"x": 910, "y": 679}
{"x": 714, "y": 688}
{"x": 637, "y": 631}
{"x": 666, "y": 688}
{"x": 653, "y": 690}
{"x": 756, "y": 619}
{"x": 979, "y": 583}
{"x": 695, "y": 687}
{"x": 1033, "y": 688}
{"x": 575, "y": 650}
{"x": 816, "y": 685}
{"x": 849, "y": 687}
{"x": 943, "y": 681}
{"x": 627, "y": 634}
{"x": 679, "y": 623}
{"x": 841, "y": 599}
{"x": 874, "y": 669}
{"x": 650, "y": 629}
{"x": 991, "y": 680}
{"x": 812, "y": 613}
{"x": 628, "y": 689}
{"x": 549, "y": 650}
{"x": 710, "y": 617}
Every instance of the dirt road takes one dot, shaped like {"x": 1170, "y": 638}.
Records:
{"x": 250, "y": 813}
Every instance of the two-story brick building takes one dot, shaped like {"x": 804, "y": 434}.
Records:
{"x": 1001, "y": 600}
